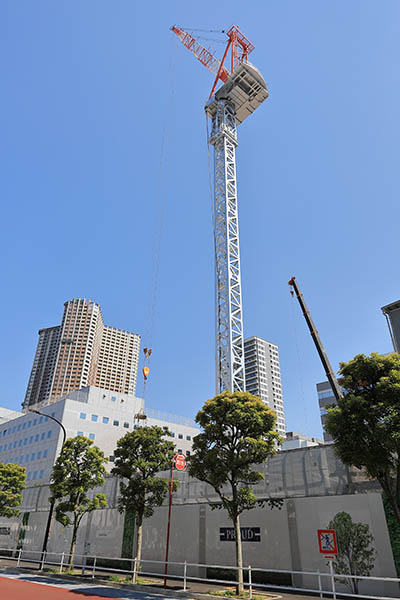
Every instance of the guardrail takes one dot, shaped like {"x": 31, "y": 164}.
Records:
{"x": 90, "y": 564}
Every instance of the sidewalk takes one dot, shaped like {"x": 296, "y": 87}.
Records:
{"x": 195, "y": 589}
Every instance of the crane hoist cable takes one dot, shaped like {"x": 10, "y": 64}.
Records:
{"x": 159, "y": 213}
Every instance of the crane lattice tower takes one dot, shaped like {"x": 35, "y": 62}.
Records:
{"x": 243, "y": 90}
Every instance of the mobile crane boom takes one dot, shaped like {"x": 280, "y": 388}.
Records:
{"x": 336, "y": 389}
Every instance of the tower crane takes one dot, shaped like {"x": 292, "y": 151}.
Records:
{"x": 242, "y": 92}
{"x": 336, "y": 389}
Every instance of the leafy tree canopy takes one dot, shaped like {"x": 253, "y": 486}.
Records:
{"x": 238, "y": 432}
{"x": 140, "y": 455}
{"x": 12, "y": 482}
{"x": 365, "y": 424}
{"x": 78, "y": 469}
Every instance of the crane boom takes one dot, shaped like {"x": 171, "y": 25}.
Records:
{"x": 336, "y": 389}
{"x": 201, "y": 53}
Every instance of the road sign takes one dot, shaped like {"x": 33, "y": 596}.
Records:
{"x": 327, "y": 541}
{"x": 180, "y": 462}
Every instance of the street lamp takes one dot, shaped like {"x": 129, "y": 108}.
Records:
{"x": 49, "y": 518}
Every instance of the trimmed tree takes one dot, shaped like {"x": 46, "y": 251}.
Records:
{"x": 238, "y": 432}
{"x": 355, "y": 556}
{"x": 140, "y": 455}
{"x": 78, "y": 469}
{"x": 12, "y": 482}
{"x": 365, "y": 424}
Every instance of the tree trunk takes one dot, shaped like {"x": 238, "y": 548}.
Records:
{"x": 239, "y": 557}
{"x": 139, "y": 537}
{"x": 73, "y": 544}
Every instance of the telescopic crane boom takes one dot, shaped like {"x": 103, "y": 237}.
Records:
{"x": 336, "y": 389}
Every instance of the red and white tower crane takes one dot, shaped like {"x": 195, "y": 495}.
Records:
{"x": 242, "y": 92}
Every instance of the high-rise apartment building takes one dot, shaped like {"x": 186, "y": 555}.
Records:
{"x": 82, "y": 351}
{"x": 392, "y": 314}
{"x": 263, "y": 376}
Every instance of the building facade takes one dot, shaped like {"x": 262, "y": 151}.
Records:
{"x": 80, "y": 352}
{"x": 34, "y": 441}
{"x": 296, "y": 440}
{"x": 263, "y": 376}
{"x": 392, "y": 314}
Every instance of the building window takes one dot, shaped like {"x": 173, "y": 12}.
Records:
{"x": 187, "y": 452}
{"x": 188, "y": 438}
{"x": 53, "y": 414}
{"x": 41, "y": 474}
{"x": 126, "y": 425}
{"x": 91, "y": 436}
{"x": 172, "y": 434}
{"x": 94, "y": 418}
{"x": 45, "y": 453}
{"x": 179, "y": 450}
{"x": 34, "y": 476}
{"x": 33, "y": 456}
{"x": 43, "y": 435}
{"x": 111, "y": 458}
{"x": 40, "y": 420}
{"x": 79, "y": 433}
{"x": 113, "y": 398}
{"x": 180, "y": 436}
{"x": 116, "y": 423}
{"x": 49, "y": 434}
{"x": 105, "y": 420}
{"x": 39, "y": 455}
{"x": 82, "y": 416}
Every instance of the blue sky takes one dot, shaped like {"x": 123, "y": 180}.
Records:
{"x": 90, "y": 92}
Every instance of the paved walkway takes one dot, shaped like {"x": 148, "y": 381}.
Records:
{"x": 10, "y": 575}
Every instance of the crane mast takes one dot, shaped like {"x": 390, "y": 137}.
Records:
{"x": 243, "y": 90}
{"x": 336, "y": 389}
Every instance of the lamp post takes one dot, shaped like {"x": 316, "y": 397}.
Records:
{"x": 51, "y": 510}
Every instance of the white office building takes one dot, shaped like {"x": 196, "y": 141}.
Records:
{"x": 263, "y": 376}
{"x": 104, "y": 416}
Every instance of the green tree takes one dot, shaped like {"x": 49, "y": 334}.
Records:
{"x": 355, "y": 556}
{"x": 78, "y": 469}
{"x": 238, "y": 432}
{"x": 139, "y": 456}
{"x": 365, "y": 424}
{"x": 12, "y": 482}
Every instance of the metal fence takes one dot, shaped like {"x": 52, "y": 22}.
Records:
{"x": 92, "y": 565}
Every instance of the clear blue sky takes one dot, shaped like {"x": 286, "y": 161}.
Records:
{"x": 85, "y": 86}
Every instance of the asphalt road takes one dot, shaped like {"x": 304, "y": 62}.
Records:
{"x": 19, "y": 586}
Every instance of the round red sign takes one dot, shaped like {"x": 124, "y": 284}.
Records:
{"x": 180, "y": 462}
